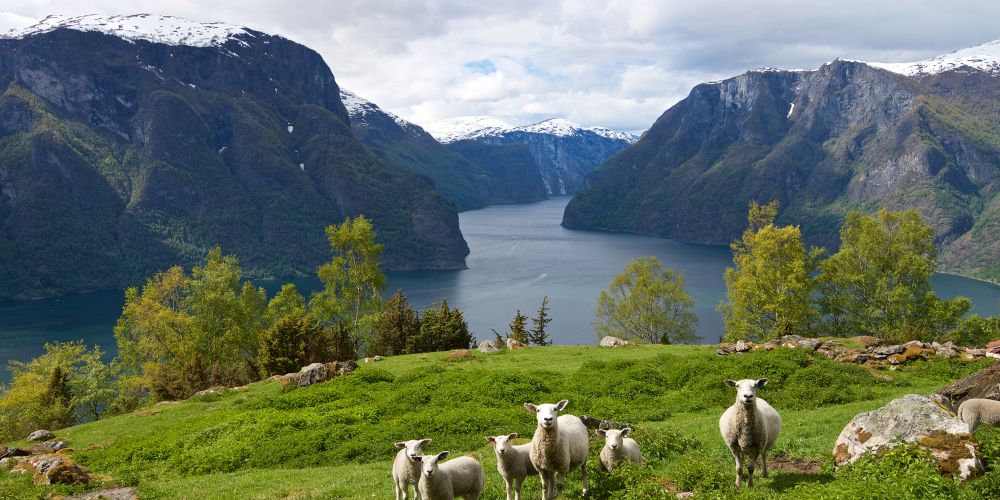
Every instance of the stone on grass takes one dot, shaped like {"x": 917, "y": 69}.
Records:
{"x": 982, "y": 384}
{"x": 125, "y": 493}
{"x": 911, "y": 419}
{"x": 41, "y": 435}
{"x": 867, "y": 340}
{"x": 742, "y": 346}
{"x": 53, "y": 468}
{"x": 514, "y": 344}
{"x": 611, "y": 341}
{"x": 488, "y": 347}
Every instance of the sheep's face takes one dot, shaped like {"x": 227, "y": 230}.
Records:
{"x": 413, "y": 447}
{"x": 546, "y": 414}
{"x": 429, "y": 463}
{"x": 502, "y": 444}
{"x": 613, "y": 437}
{"x": 746, "y": 389}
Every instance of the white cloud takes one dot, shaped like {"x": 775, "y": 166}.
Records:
{"x": 612, "y": 63}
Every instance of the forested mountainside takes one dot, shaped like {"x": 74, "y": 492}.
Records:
{"x": 132, "y": 143}
{"x": 848, "y": 135}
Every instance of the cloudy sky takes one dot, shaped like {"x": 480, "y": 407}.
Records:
{"x": 617, "y": 64}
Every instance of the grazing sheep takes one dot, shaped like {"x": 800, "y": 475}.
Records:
{"x": 979, "y": 411}
{"x": 406, "y": 471}
{"x": 459, "y": 477}
{"x": 558, "y": 446}
{"x": 617, "y": 447}
{"x": 749, "y": 427}
{"x": 513, "y": 463}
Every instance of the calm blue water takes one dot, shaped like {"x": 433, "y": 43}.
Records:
{"x": 519, "y": 253}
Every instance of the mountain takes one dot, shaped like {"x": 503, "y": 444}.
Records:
{"x": 468, "y": 184}
{"x": 565, "y": 152}
{"x": 132, "y": 143}
{"x": 848, "y": 135}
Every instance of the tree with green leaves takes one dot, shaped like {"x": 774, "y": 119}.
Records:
{"x": 59, "y": 399}
{"x": 287, "y": 302}
{"x": 518, "y": 330}
{"x": 647, "y": 302}
{"x": 878, "y": 282}
{"x": 770, "y": 286}
{"x": 397, "y": 323}
{"x": 540, "y": 322}
{"x": 352, "y": 280}
{"x": 292, "y": 342}
{"x": 441, "y": 328}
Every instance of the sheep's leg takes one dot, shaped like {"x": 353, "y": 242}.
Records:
{"x": 751, "y": 462}
{"x": 763, "y": 464}
{"x": 738, "y": 455}
{"x": 509, "y": 484}
{"x": 400, "y": 491}
{"x": 560, "y": 484}
{"x": 517, "y": 488}
{"x": 547, "y": 485}
{"x": 583, "y": 475}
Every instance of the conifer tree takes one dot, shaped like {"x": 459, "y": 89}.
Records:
{"x": 59, "y": 398}
{"x": 518, "y": 328}
{"x": 538, "y": 335}
{"x": 398, "y": 323}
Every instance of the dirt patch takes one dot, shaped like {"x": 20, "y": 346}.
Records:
{"x": 147, "y": 412}
{"x": 793, "y": 465}
{"x": 864, "y": 436}
{"x": 459, "y": 354}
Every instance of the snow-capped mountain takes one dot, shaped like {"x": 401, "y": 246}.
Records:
{"x": 565, "y": 151}
{"x": 360, "y": 108}
{"x": 985, "y": 57}
{"x": 155, "y": 28}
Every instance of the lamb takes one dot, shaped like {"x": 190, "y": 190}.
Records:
{"x": 617, "y": 447}
{"x": 558, "y": 446}
{"x": 404, "y": 470}
{"x": 749, "y": 427}
{"x": 513, "y": 463}
{"x": 979, "y": 411}
{"x": 458, "y": 477}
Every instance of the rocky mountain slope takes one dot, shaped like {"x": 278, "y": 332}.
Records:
{"x": 565, "y": 152}
{"x": 848, "y": 135}
{"x": 131, "y": 143}
{"x": 468, "y": 184}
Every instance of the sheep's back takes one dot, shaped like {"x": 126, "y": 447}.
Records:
{"x": 576, "y": 437}
{"x": 465, "y": 473}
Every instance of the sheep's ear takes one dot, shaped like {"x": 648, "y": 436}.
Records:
{"x": 425, "y": 441}
{"x": 625, "y": 431}
{"x": 730, "y": 382}
{"x": 399, "y": 446}
{"x": 562, "y": 404}
{"x": 600, "y": 432}
{"x": 512, "y": 435}
{"x": 443, "y": 455}
{"x": 762, "y": 382}
{"x": 491, "y": 439}
{"x": 530, "y": 407}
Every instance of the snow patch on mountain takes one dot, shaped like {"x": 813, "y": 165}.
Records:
{"x": 155, "y": 28}
{"x": 985, "y": 57}
{"x": 472, "y": 127}
{"x": 359, "y": 107}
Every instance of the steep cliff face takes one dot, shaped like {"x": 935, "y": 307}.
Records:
{"x": 848, "y": 135}
{"x": 130, "y": 144}
{"x": 468, "y": 184}
{"x": 564, "y": 151}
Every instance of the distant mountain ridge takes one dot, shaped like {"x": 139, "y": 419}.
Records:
{"x": 132, "y": 143}
{"x": 565, "y": 151}
{"x": 848, "y": 135}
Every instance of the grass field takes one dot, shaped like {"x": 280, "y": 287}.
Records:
{"x": 334, "y": 440}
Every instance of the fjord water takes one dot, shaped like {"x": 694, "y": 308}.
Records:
{"x": 519, "y": 253}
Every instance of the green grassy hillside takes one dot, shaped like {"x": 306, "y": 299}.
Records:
{"x": 334, "y": 440}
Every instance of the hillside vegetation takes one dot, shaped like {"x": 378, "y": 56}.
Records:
{"x": 334, "y": 440}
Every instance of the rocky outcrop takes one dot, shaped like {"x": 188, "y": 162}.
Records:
{"x": 52, "y": 468}
{"x": 612, "y": 341}
{"x": 984, "y": 384}
{"x": 871, "y": 352}
{"x": 40, "y": 435}
{"x": 490, "y": 347}
{"x": 820, "y": 142}
{"x": 316, "y": 373}
{"x": 911, "y": 419}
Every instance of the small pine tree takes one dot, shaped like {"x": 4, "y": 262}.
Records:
{"x": 518, "y": 328}
{"x": 59, "y": 399}
{"x": 538, "y": 335}
{"x": 441, "y": 328}
{"x": 340, "y": 345}
{"x": 498, "y": 339}
{"x": 398, "y": 323}
{"x": 284, "y": 349}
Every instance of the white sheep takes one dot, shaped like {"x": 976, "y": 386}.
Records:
{"x": 749, "y": 427}
{"x": 979, "y": 411}
{"x": 513, "y": 463}
{"x": 617, "y": 447}
{"x": 458, "y": 477}
{"x": 560, "y": 444}
{"x": 406, "y": 471}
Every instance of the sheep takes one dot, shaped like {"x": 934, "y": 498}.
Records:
{"x": 458, "y": 477}
{"x": 558, "y": 446}
{"x": 749, "y": 427}
{"x": 513, "y": 463}
{"x": 979, "y": 411}
{"x": 617, "y": 447}
{"x": 404, "y": 470}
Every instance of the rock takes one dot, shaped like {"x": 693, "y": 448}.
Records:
{"x": 742, "y": 346}
{"x": 896, "y": 359}
{"x": 888, "y": 350}
{"x": 609, "y": 341}
{"x": 7, "y": 462}
{"x": 514, "y": 344}
{"x": 13, "y": 452}
{"x": 811, "y": 344}
{"x": 914, "y": 343}
{"x": 993, "y": 344}
{"x": 488, "y": 347}
{"x": 459, "y": 354}
{"x": 911, "y": 419}
{"x": 318, "y": 372}
{"x": 378, "y": 358}
{"x": 867, "y": 340}
{"x": 41, "y": 435}
{"x": 53, "y": 468}
{"x": 211, "y": 390}
{"x": 770, "y": 345}
{"x": 977, "y": 353}
{"x": 130, "y": 493}
{"x": 982, "y": 384}
{"x": 684, "y": 495}
{"x": 946, "y": 352}
{"x": 943, "y": 401}
{"x": 854, "y": 357}
{"x": 56, "y": 445}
